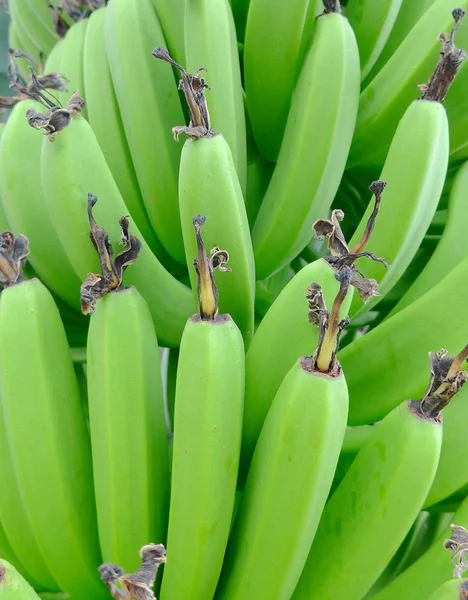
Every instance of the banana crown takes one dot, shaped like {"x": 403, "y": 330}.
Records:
{"x": 449, "y": 62}
{"x": 205, "y": 266}
{"x": 13, "y": 255}
{"x": 194, "y": 88}
{"x": 112, "y": 269}
{"x": 458, "y": 545}
{"x": 139, "y": 584}
{"x": 342, "y": 260}
{"x": 446, "y": 380}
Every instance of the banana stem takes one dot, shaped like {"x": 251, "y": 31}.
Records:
{"x": 377, "y": 188}
{"x": 457, "y": 362}
{"x": 332, "y": 6}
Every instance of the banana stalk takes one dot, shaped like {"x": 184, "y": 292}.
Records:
{"x": 207, "y": 436}
{"x": 365, "y": 521}
{"x": 315, "y": 145}
{"x": 128, "y": 439}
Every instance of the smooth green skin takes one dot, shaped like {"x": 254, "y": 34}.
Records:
{"x": 128, "y": 431}
{"x": 71, "y": 63}
{"x": 415, "y": 171}
{"x": 171, "y": 378}
{"x": 372, "y": 23}
{"x": 106, "y": 121}
{"x": 7, "y": 554}
{"x": 384, "y": 101}
{"x": 31, "y": 15}
{"x": 23, "y": 41}
{"x": 267, "y": 291}
{"x": 401, "y": 345}
{"x": 74, "y": 165}
{"x": 452, "y": 247}
{"x": 171, "y": 17}
{"x": 365, "y": 521}
{"x": 409, "y": 14}
{"x": 25, "y": 206}
{"x": 272, "y": 46}
{"x": 452, "y": 473}
{"x": 430, "y": 571}
{"x": 240, "y": 9}
{"x": 48, "y": 437}
{"x": 314, "y": 149}
{"x": 207, "y": 435}
{"x": 150, "y": 106}
{"x": 4, "y": 226}
{"x": 283, "y": 335}
{"x": 210, "y": 42}
{"x": 53, "y": 65}
{"x": 455, "y": 589}
{"x": 12, "y": 585}
{"x": 287, "y": 487}
{"x": 208, "y": 185}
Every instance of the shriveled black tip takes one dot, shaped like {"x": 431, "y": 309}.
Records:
{"x": 160, "y": 52}
{"x": 198, "y": 221}
{"x": 458, "y": 14}
{"x": 377, "y": 187}
{"x": 92, "y": 199}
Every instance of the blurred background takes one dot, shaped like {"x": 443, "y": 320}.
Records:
{"x": 3, "y": 51}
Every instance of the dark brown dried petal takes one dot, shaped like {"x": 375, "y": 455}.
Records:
{"x": 458, "y": 545}
{"x": 13, "y": 255}
{"x": 331, "y": 228}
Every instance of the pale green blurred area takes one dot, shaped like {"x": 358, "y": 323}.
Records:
{"x": 4, "y": 18}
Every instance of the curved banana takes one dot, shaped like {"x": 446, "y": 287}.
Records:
{"x": 401, "y": 343}
{"x": 25, "y": 206}
{"x": 455, "y": 589}
{"x": 46, "y": 430}
{"x": 71, "y": 61}
{"x": 287, "y": 484}
{"x": 73, "y": 166}
{"x": 210, "y": 42}
{"x": 38, "y": 21}
{"x": 145, "y": 87}
{"x": 384, "y": 101}
{"x": 3, "y": 218}
{"x": 452, "y": 247}
{"x": 270, "y": 72}
{"x": 207, "y": 436}
{"x": 128, "y": 439}
{"x": 24, "y": 40}
{"x": 430, "y": 571}
{"x": 372, "y": 23}
{"x": 12, "y": 584}
{"x": 208, "y": 184}
{"x": 322, "y": 118}
{"x": 106, "y": 121}
{"x": 364, "y": 522}
{"x": 415, "y": 170}
{"x": 171, "y": 16}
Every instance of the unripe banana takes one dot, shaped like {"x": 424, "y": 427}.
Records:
{"x": 208, "y": 184}
{"x": 455, "y": 589}
{"x": 353, "y": 441}
{"x": 145, "y": 87}
{"x": 364, "y": 522}
{"x": 171, "y": 17}
{"x": 322, "y": 118}
{"x": 210, "y": 42}
{"x": 400, "y": 343}
{"x": 106, "y": 121}
{"x": 452, "y": 247}
{"x": 26, "y": 44}
{"x": 372, "y": 23}
{"x": 291, "y": 471}
{"x": 37, "y": 18}
{"x": 207, "y": 435}
{"x": 3, "y": 218}
{"x": 12, "y": 584}
{"x": 73, "y": 166}
{"x": 45, "y": 428}
{"x": 128, "y": 439}
{"x": 272, "y": 46}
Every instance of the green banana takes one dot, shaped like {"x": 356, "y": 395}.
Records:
{"x": 23, "y": 38}
{"x": 15, "y": 43}
{"x": 240, "y": 9}
{"x": 383, "y": 102}
{"x": 37, "y": 18}
{"x": 73, "y": 166}
{"x": 144, "y": 87}
{"x": 451, "y": 249}
{"x": 208, "y": 184}
{"x": 455, "y": 589}
{"x": 4, "y": 226}
{"x": 401, "y": 343}
{"x": 372, "y": 23}
{"x": 409, "y": 14}
{"x": 172, "y": 366}
{"x": 322, "y": 117}
{"x": 415, "y": 169}
{"x": 171, "y": 17}
{"x": 268, "y": 290}
{"x": 210, "y": 42}
{"x": 128, "y": 439}
{"x": 12, "y": 584}
{"x": 207, "y": 436}
{"x": 25, "y": 206}
{"x": 272, "y": 46}
{"x": 45, "y": 427}
{"x": 430, "y": 571}
{"x": 364, "y": 522}
{"x": 71, "y": 63}
{"x": 106, "y": 121}
{"x": 292, "y": 467}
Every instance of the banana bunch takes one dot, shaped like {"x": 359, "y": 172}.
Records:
{"x": 231, "y": 234}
